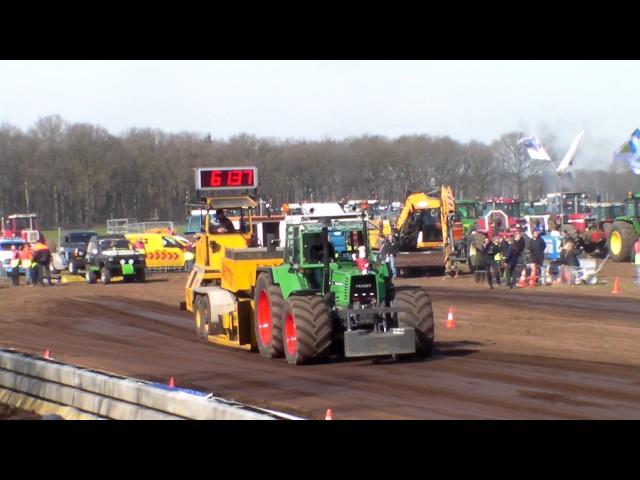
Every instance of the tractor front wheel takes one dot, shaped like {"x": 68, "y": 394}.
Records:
{"x": 307, "y": 329}
{"x": 417, "y": 312}
{"x": 269, "y": 304}
{"x": 620, "y": 242}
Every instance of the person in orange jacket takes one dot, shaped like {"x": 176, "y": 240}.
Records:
{"x": 42, "y": 256}
{"x": 26, "y": 258}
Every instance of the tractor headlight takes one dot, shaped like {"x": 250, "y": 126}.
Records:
{"x": 131, "y": 261}
{"x": 122, "y": 261}
{"x": 110, "y": 259}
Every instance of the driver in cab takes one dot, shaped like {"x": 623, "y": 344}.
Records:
{"x": 224, "y": 224}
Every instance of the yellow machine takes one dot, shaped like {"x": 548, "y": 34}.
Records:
{"x": 219, "y": 287}
{"x": 377, "y": 225}
{"x": 161, "y": 250}
{"x": 428, "y": 232}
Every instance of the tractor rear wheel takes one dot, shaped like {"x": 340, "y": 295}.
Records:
{"x": 269, "y": 304}
{"x": 620, "y": 242}
{"x": 417, "y": 313}
{"x": 307, "y": 329}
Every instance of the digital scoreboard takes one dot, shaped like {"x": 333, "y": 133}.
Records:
{"x": 227, "y": 178}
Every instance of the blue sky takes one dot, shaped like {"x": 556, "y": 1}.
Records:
{"x": 312, "y": 99}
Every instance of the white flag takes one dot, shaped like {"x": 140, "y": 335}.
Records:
{"x": 568, "y": 157}
{"x": 534, "y": 148}
{"x": 629, "y": 152}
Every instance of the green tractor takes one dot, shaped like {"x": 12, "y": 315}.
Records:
{"x": 625, "y": 230}
{"x": 467, "y": 211}
{"x": 331, "y": 295}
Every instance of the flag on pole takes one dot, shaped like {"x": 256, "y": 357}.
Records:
{"x": 629, "y": 152}
{"x": 534, "y": 148}
{"x": 567, "y": 160}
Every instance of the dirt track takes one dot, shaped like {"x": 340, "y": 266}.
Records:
{"x": 548, "y": 352}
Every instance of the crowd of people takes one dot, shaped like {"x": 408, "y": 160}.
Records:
{"x": 33, "y": 260}
{"x": 503, "y": 255}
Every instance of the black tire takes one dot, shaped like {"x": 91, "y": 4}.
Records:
{"x": 202, "y": 312}
{"x": 269, "y": 304}
{"x": 90, "y": 277}
{"x": 418, "y": 313}
{"x": 105, "y": 276}
{"x": 141, "y": 275}
{"x": 627, "y": 236}
{"x": 308, "y": 330}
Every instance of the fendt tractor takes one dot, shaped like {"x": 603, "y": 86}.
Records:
{"x": 429, "y": 235}
{"x": 625, "y": 230}
{"x": 305, "y": 301}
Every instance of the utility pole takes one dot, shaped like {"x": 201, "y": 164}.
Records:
{"x": 26, "y": 196}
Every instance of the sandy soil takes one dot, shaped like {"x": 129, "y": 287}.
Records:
{"x": 536, "y": 353}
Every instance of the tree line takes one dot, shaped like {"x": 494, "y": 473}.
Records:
{"x": 79, "y": 174}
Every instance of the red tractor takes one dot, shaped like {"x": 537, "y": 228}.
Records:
{"x": 575, "y": 218}
{"x": 501, "y": 217}
{"x": 21, "y": 225}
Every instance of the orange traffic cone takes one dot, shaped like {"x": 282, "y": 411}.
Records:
{"x": 47, "y": 354}
{"x": 616, "y": 286}
{"x": 451, "y": 322}
{"x": 329, "y": 415}
{"x": 523, "y": 279}
{"x": 172, "y": 383}
{"x": 533, "y": 279}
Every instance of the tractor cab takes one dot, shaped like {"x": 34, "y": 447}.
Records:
{"x": 501, "y": 217}
{"x": 21, "y": 225}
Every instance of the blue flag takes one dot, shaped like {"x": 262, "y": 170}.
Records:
{"x": 629, "y": 152}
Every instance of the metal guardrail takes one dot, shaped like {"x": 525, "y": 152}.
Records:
{"x": 48, "y": 386}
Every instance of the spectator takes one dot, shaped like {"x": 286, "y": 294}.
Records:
{"x": 41, "y": 257}
{"x": 537, "y": 246}
{"x": 26, "y": 258}
{"x": 513, "y": 257}
{"x": 388, "y": 254}
{"x": 15, "y": 266}
{"x": 490, "y": 250}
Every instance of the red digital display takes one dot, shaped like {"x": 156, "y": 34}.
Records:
{"x": 226, "y": 178}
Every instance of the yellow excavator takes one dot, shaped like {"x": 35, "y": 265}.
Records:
{"x": 429, "y": 234}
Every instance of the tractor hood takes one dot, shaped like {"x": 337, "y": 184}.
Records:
{"x": 350, "y": 285}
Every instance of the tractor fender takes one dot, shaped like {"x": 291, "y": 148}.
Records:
{"x": 220, "y": 300}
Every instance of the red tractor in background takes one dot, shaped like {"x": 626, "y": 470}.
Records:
{"x": 21, "y": 225}
{"x": 572, "y": 214}
{"x": 501, "y": 217}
